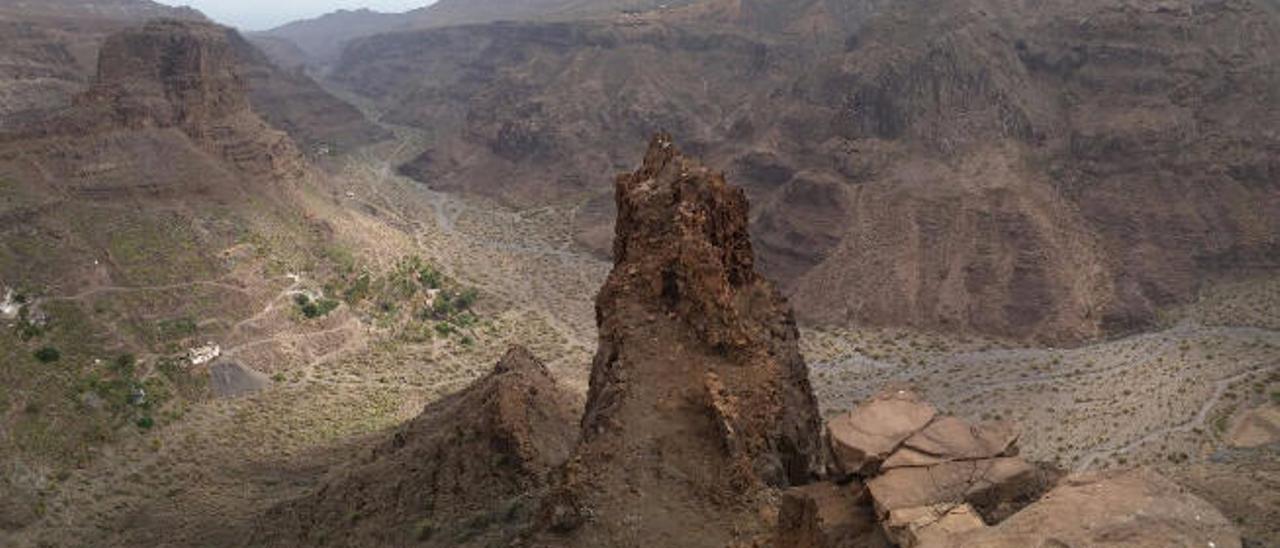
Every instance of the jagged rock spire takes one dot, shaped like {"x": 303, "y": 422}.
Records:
{"x": 700, "y": 402}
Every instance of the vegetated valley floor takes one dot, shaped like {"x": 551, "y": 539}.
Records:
{"x": 1167, "y": 398}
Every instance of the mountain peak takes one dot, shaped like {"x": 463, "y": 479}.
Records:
{"x": 698, "y": 390}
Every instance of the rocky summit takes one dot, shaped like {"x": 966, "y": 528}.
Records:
{"x": 483, "y": 453}
{"x": 699, "y": 401}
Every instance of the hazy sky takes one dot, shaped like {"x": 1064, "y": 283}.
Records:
{"x": 265, "y": 14}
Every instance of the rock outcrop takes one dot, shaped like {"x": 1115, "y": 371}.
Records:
{"x": 937, "y": 481}
{"x": 699, "y": 402}
{"x": 827, "y": 515}
{"x": 467, "y": 471}
{"x": 865, "y": 437}
{"x": 52, "y": 52}
{"x": 1133, "y": 509}
{"x": 186, "y": 75}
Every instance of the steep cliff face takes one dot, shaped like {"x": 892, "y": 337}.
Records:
{"x": 1118, "y": 148}
{"x": 700, "y": 401}
{"x": 474, "y": 460}
{"x": 1056, "y": 172}
{"x": 174, "y": 74}
{"x": 170, "y": 73}
{"x": 51, "y": 56}
{"x": 292, "y": 102}
{"x": 512, "y": 128}
{"x": 50, "y": 49}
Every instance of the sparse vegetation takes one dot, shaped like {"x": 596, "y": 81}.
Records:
{"x": 47, "y": 354}
{"x": 312, "y": 309}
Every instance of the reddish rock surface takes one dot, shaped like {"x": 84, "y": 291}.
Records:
{"x": 827, "y": 515}
{"x": 862, "y": 438}
{"x": 699, "y": 402}
{"x": 484, "y": 451}
{"x": 986, "y": 483}
{"x": 950, "y": 439}
{"x": 1133, "y": 509}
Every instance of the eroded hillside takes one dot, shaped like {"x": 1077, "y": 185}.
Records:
{"x": 978, "y": 166}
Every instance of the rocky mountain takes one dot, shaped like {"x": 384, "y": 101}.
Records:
{"x": 979, "y": 166}
{"x": 50, "y": 48}
{"x": 290, "y": 100}
{"x": 156, "y": 182}
{"x": 701, "y": 429}
{"x": 52, "y": 51}
{"x": 123, "y": 10}
{"x": 475, "y": 459}
{"x": 700, "y": 401}
{"x": 318, "y": 40}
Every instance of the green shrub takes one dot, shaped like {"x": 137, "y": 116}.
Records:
{"x": 125, "y": 364}
{"x": 26, "y": 328}
{"x": 146, "y": 422}
{"x": 359, "y": 289}
{"x": 48, "y": 354}
{"x": 315, "y": 309}
{"x": 466, "y": 299}
{"x": 430, "y": 278}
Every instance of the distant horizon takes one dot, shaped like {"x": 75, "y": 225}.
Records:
{"x": 256, "y": 15}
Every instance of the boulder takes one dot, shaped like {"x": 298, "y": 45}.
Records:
{"x": 827, "y": 515}
{"x": 1127, "y": 508}
{"x": 929, "y": 526}
{"x": 949, "y": 439}
{"x": 863, "y": 438}
{"x": 983, "y": 483}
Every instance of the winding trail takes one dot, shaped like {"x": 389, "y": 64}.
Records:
{"x": 147, "y": 289}
{"x": 1220, "y": 388}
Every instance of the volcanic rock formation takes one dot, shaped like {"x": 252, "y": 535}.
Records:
{"x": 467, "y": 471}
{"x": 700, "y": 401}
{"x": 1057, "y": 171}
{"x": 917, "y": 479}
{"x": 51, "y": 55}
{"x": 185, "y": 75}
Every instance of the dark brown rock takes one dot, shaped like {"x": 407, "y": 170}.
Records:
{"x": 1001, "y": 170}
{"x": 699, "y": 401}
{"x": 827, "y": 515}
{"x": 478, "y": 454}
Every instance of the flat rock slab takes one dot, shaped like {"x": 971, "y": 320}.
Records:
{"x": 232, "y": 380}
{"x": 949, "y": 439}
{"x": 981, "y": 483}
{"x": 861, "y": 439}
{"x": 933, "y": 525}
{"x": 1126, "y": 508}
